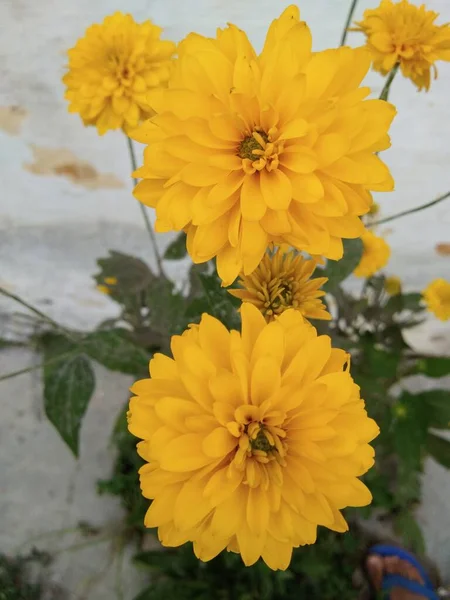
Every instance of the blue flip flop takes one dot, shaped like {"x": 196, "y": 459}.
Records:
{"x": 390, "y": 581}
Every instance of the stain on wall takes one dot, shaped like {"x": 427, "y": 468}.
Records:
{"x": 63, "y": 163}
{"x": 11, "y": 119}
{"x": 443, "y": 249}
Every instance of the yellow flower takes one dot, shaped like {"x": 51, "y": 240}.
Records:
{"x": 404, "y": 33}
{"x": 374, "y": 209}
{"x": 111, "y": 280}
{"x": 281, "y": 281}
{"x": 375, "y": 256}
{"x": 437, "y": 298}
{"x": 252, "y": 439}
{"x": 107, "y": 285}
{"x": 112, "y": 69}
{"x": 393, "y": 285}
{"x": 249, "y": 149}
{"x": 104, "y": 289}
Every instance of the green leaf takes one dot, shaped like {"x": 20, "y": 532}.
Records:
{"x": 338, "y": 270}
{"x": 215, "y": 300}
{"x": 439, "y": 448}
{"x": 114, "y": 349}
{"x": 167, "y": 307}
{"x": 408, "y": 528}
{"x": 177, "y": 249}
{"x": 69, "y": 383}
{"x": 400, "y": 302}
{"x": 437, "y": 406}
{"x": 409, "y": 430}
{"x": 381, "y": 363}
{"x": 434, "y": 366}
{"x": 132, "y": 274}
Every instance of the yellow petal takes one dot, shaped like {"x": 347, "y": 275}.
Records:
{"x": 184, "y": 453}
{"x": 219, "y": 443}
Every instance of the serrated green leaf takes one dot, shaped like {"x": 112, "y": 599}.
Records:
{"x": 408, "y": 528}
{"x": 176, "y": 249}
{"x": 439, "y": 448}
{"x": 434, "y": 366}
{"x": 215, "y": 300}
{"x": 409, "y": 430}
{"x": 69, "y": 383}
{"x": 400, "y": 302}
{"x": 338, "y": 270}
{"x": 167, "y": 307}
{"x": 381, "y": 363}
{"x": 114, "y": 349}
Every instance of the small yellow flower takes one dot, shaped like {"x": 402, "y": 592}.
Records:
{"x": 393, "y": 285}
{"x": 111, "y": 280}
{"x": 111, "y": 70}
{"x": 400, "y": 411}
{"x": 252, "y": 439}
{"x": 104, "y": 289}
{"x": 374, "y": 209}
{"x": 400, "y": 32}
{"x": 281, "y": 281}
{"x": 375, "y": 255}
{"x": 437, "y": 298}
{"x": 250, "y": 149}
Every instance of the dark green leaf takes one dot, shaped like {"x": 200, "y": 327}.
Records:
{"x": 409, "y": 430}
{"x": 437, "y": 407}
{"x": 439, "y": 448}
{"x": 215, "y": 300}
{"x": 434, "y": 366}
{"x": 69, "y": 383}
{"x": 408, "y": 528}
{"x": 381, "y": 363}
{"x": 177, "y": 249}
{"x": 114, "y": 349}
{"x": 400, "y": 302}
{"x": 338, "y": 270}
{"x": 132, "y": 274}
{"x": 167, "y": 307}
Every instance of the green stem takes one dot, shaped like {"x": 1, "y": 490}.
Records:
{"x": 148, "y": 225}
{"x": 35, "y": 367}
{"x": 35, "y": 310}
{"x": 348, "y": 22}
{"x": 410, "y": 211}
{"x": 389, "y": 79}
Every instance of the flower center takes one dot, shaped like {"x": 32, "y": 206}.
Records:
{"x": 259, "y": 151}
{"x": 279, "y": 295}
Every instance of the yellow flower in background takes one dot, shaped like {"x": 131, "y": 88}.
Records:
{"x": 400, "y": 32}
{"x": 107, "y": 286}
{"x": 437, "y": 298}
{"x": 250, "y": 149}
{"x": 112, "y": 68}
{"x": 252, "y": 439}
{"x": 374, "y": 209}
{"x": 393, "y": 285}
{"x": 376, "y": 254}
{"x": 281, "y": 281}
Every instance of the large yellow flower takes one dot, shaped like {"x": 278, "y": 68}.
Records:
{"x": 437, "y": 298}
{"x": 111, "y": 70}
{"x": 403, "y": 33}
{"x": 376, "y": 254}
{"x": 247, "y": 149}
{"x": 281, "y": 281}
{"x": 252, "y": 439}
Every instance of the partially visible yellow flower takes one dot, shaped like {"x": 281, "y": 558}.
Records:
{"x": 401, "y": 32}
{"x": 249, "y": 149}
{"x": 393, "y": 285}
{"x": 107, "y": 285}
{"x": 437, "y": 298}
{"x": 111, "y": 70}
{"x": 281, "y": 281}
{"x": 376, "y": 254}
{"x": 374, "y": 209}
{"x": 252, "y": 439}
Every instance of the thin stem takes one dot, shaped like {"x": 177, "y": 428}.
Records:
{"x": 33, "y": 309}
{"x": 348, "y": 22}
{"x": 410, "y": 211}
{"x": 35, "y": 367}
{"x": 148, "y": 225}
{"x": 389, "y": 79}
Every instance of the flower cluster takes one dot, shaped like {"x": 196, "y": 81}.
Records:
{"x": 254, "y": 438}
